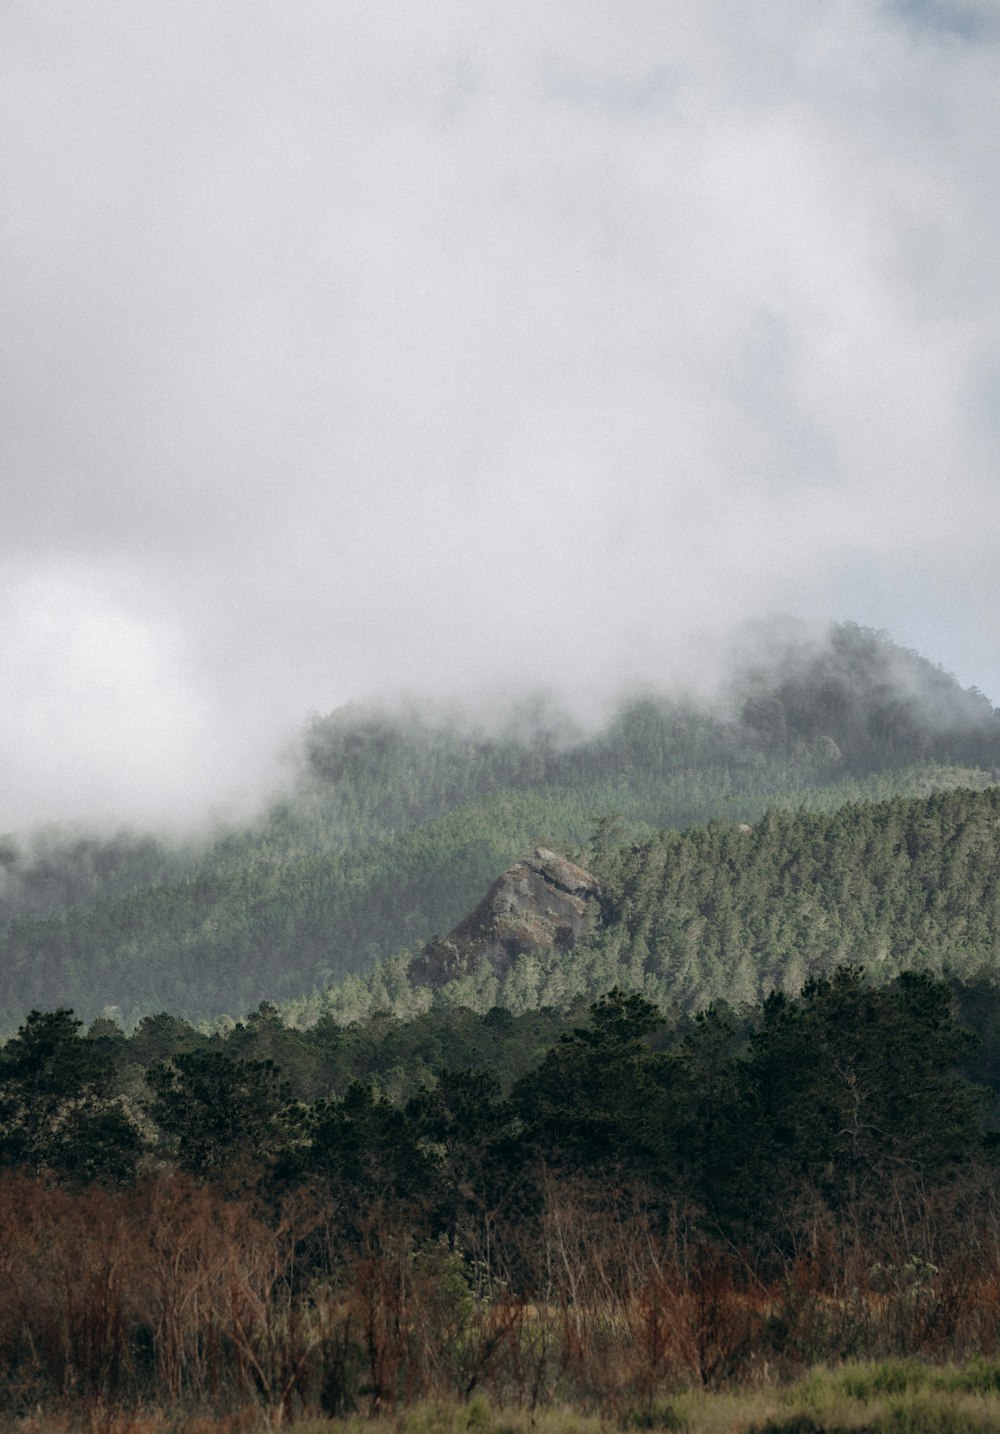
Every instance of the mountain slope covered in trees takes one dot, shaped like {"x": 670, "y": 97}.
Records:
{"x": 728, "y": 912}
{"x": 396, "y": 824}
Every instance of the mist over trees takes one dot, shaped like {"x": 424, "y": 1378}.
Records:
{"x": 395, "y": 824}
{"x": 856, "y": 693}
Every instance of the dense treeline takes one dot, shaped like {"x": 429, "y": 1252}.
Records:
{"x": 395, "y": 825}
{"x": 698, "y": 1106}
{"x": 720, "y": 911}
{"x": 648, "y": 1201}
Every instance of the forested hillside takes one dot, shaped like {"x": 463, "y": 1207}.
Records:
{"x": 395, "y": 824}
{"x": 728, "y": 912}
{"x": 720, "y": 913}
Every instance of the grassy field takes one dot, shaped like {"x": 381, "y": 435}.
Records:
{"x": 879, "y": 1398}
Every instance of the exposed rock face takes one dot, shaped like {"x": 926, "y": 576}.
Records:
{"x": 542, "y": 903}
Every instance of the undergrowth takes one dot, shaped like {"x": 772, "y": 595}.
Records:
{"x": 888, "y": 1397}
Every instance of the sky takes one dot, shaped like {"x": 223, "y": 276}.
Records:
{"x": 452, "y": 349}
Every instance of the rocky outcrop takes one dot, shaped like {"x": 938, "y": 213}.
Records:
{"x": 542, "y": 903}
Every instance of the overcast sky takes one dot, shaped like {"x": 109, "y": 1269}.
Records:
{"x": 460, "y": 345}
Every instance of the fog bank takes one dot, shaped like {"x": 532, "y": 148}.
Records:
{"x": 454, "y": 351}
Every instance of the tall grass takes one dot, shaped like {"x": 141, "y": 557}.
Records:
{"x": 877, "y": 1398}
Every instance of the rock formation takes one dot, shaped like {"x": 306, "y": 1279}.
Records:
{"x": 542, "y": 903}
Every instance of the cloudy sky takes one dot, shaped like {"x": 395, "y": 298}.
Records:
{"x": 441, "y": 346}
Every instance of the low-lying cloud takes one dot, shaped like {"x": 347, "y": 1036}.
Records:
{"x": 444, "y": 348}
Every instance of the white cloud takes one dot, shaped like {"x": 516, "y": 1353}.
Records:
{"x": 351, "y": 348}
{"x": 98, "y": 719}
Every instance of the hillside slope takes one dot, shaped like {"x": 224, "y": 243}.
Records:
{"x": 395, "y": 825}
{"x": 719, "y": 913}
{"x": 729, "y": 912}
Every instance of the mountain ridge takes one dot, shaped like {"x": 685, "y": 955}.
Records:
{"x": 395, "y": 826}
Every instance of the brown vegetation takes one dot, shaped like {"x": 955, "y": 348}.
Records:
{"x": 169, "y": 1296}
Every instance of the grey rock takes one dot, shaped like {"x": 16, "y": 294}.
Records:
{"x": 541, "y": 904}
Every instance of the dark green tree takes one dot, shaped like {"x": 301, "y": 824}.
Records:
{"x": 58, "y": 1109}
{"x": 367, "y": 1150}
{"x": 596, "y": 1098}
{"x": 226, "y": 1119}
{"x": 852, "y": 1091}
{"x": 469, "y": 1133}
